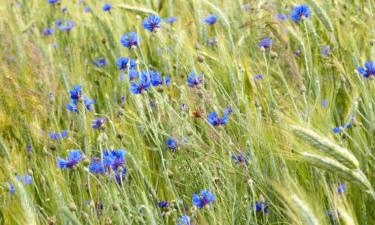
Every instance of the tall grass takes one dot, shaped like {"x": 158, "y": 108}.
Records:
{"x": 294, "y": 169}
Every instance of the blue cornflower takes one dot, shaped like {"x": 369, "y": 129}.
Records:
{"x": 133, "y": 74}
{"x": 130, "y": 40}
{"x": 64, "y": 9}
{"x": 68, "y": 26}
{"x": 58, "y": 136}
{"x": 341, "y": 128}
{"x": 342, "y": 188}
{"x": 48, "y": 32}
{"x": 101, "y": 62}
{"x": 184, "y": 220}
{"x": 369, "y": 69}
{"x": 167, "y": 80}
{"x": 261, "y": 206}
{"x": 114, "y": 159}
{"x": 258, "y": 77}
{"x": 98, "y": 123}
{"x": 239, "y": 159}
{"x": 73, "y": 159}
{"x": 72, "y": 106}
{"x": 170, "y": 20}
{"x": 265, "y": 43}
{"x": 193, "y": 80}
{"x": 205, "y": 198}
{"x": 88, "y": 103}
{"x": 172, "y": 144}
{"x": 107, "y": 7}
{"x": 86, "y": 9}
{"x": 120, "y": 175}
{"x": 325, "y": 103}
{"x": 96, "y": 166}
{"x": 76, "y": 93}
{"x": 211, "y": 19}
{"x": 52, "y": 2}
{"x": 163, "y": 204}
{"x": 300, "y": 12}
{"x": 281, "y": 17}
{"x": 12, "y": 189}
{"x": 144, "y": 84}
{"x": 29, "y": 148}
{"x": 122, "y": 63}
{"x": 214, "y": 119}
{"x": 151, "y": 23}
{"x": 155, "y": 78}
{"x": 325, "y": 50}
{"x": 28, "y": 179}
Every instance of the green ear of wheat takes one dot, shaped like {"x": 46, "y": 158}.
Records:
{"x": 325, "y": 145}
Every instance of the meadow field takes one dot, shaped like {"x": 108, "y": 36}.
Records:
{"x": 187, "y": 112}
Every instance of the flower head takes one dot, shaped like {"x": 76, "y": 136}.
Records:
{"x": 170, "y": 20}
{"x": 211, "y": 19}
{"x": 167, "y": 80}
{"x": 193, "y": 80}
{"x": 98, "y": 123}
{"x": 281, "y": 17}
{"x": 155, "y": 78}
{"x": 151, "y": 23}
{"x": 205, "y": 198}
{"x": 107, "y": 7}
{"x": 144, "y": 84}
{"x": 89, "y": 103}
{"x": 114, "y": 159}
{"x": 184, "y": 220}
{"x": 239, "y": 159}
{"x": 368, "y": 71}
{"x": 96, "y": 166}
{"x": 133, "y": 74}
{"x": 265, "y": 43}
{"x": 48, "y": 32}
{"x": 101, "y": 62}
{"x": 299, "y": 13}
{"x": 58, "y": 136}
{"x": 341, "y": 189}
{"x": 130, "y": 40}
{"x": 261, "y": 207}
{"x": 68, "y": 26}
{"x": 215, "y": 120}
{"x": 325, "y": 50}
{"x": 52, "y": 2}
{"x": 76, "y": 93}
{"x": 73, "y": 159}
{"x": 163, "y": 204}
{"x": 172, "y": 144}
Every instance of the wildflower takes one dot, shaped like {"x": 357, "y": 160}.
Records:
{"x": 73, "y": 159}
{"x": 239, "y": 159}
{"x": 52, "y": 2}
{"x": 258, "y": 77}
{"x": 151, "y": 23}
{"x": 155, "y": 78}
{"x": 29, "y": 148}
{"x": 246, "y": 7}
{"x": 144, "y": 84}
{"x": 172, "y": 144}
{"x": 261, "y": 206}
{"x": 124, "y": 63}
{"x": 167, "y": 80}
{"x": 211, "y": 19}
{"x": 12, "y": 189}
{"x": 58, "y": 136}
{"x": 339, "y": 129}
{"x": 162, "y": 204}
{"x": 184, "y": 220}
{"x": 86, "y": 9}
{"x": 120, "y": 175}
{"x": 299, "y": 13}
{"x": 47, "y": 32}
{"x": 68, "y": 26}
{"x": 76, "y": 93}
{"x": 88, "y": 103}
{"x": 96, "y": 166}
{"x": 170, "y": 20}
{"x": 28, "y": 179}
{"x": 107, "y": 7}
{"x": 368, "y": 71}
{"x": 325, "y": 103}
{"x": 281, "y": 17}
{"x": 130, "y": 40}
{"x": 214, "y": 119}
{"x": 205, "y": 198}
{"x": 114, "y": 159}
{"x": 341, "y": 189}
{"x": 212, "y": 42}
{"x": 325, "y": 50}
{"x": 98, "y": 123}
{"x": 133, "y": 74}
{"x": 101, "y": 62}
{"x": 123, "y": 100}
{"x": 265, "y": 43}
{"x": 64, "y": 9}
{"x": 193, "y": 80}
